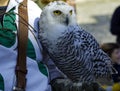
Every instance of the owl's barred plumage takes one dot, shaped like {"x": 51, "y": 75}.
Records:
{"x": 75, "y": 51}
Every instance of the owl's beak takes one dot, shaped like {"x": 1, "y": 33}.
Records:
{"x": 67, "y": 20}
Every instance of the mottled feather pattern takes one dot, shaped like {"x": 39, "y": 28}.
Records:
{"x": 78, "y": 55}
{"x": 81, "y": 43}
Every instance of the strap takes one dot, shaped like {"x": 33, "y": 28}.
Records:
{"x": 21, "y": 69}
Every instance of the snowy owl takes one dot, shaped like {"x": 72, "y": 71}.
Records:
{"x": 74, "y": 51}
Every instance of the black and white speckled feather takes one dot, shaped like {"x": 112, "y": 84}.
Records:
{"x": 75, "y": 51}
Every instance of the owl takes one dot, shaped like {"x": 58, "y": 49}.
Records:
{"x": 74, "y": 51}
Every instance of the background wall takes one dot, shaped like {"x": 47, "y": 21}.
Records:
{"x": 95, "y": 16}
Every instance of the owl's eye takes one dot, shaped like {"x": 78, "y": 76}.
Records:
{"x": 57, "y": 12}
{"x": 71, "y": 12}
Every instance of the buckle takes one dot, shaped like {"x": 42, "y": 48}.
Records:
{"x": 15, "y": 88}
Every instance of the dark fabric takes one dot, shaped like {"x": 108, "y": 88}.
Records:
{"x": 2, "y": 10}
{"x": 116, "y": 77}
{"x": 115, "y": 24}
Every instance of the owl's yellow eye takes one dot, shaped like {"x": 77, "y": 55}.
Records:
{"x": 71, "y": 12}
{"x": 57, "y": 12}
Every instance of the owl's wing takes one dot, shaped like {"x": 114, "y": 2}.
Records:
{"x": 72, "y": 56}
{"x": 101, "y": 61}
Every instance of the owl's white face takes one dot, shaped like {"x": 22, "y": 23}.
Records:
{"x": 58, "y": 13}
{"x": 55, "y": 19}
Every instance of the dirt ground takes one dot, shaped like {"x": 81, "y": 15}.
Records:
{"x": 95, "y": 15}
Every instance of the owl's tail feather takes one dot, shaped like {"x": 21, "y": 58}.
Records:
{"x": 102, "y": 65}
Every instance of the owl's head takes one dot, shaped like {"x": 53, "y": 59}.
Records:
{"x": 58, "y": 13}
